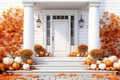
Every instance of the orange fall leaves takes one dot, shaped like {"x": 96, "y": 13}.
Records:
{"x": 110, "y": 33}
{"x": 11, "y": 30}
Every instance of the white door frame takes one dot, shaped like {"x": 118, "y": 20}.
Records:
{"x": 61, "y": 12}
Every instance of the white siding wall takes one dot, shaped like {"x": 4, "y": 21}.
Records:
{"x": 83, "y": 32}
{"x": 39, "y": 32}
{"x": 110, "y": 5}
{"x": 6, "y": 4}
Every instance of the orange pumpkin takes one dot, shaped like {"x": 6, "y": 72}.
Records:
{"x": 77, "y": 52}
{"x": 16, "y": 65}
{"x": 86, "y": 54}
{"x": 112, "y": 68}
{"x": 108, "y": 63}
{"x": 23, "y": 63}
{"x": 88, "y": 61}
{"x": 97, "y": 69}
{"x": 107, "y": 68}
{"x": 4, "y": 74}
{"x": 30, "y": 61}
{"x": 11, "y": 68}
{"x": 42, "y": 54}
{"x": 2, "y": 66}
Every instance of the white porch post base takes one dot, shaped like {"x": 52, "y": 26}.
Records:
{"x": 28, "y": 35}
{"x": 93, "y": 30}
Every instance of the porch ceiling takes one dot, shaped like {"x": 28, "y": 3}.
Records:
{"x": 60, "y": 5}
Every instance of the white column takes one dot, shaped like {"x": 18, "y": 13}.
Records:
{"x": 28, "y": 34}
{"x": 93, "y": 29}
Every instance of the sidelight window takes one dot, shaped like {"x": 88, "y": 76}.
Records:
{"x": 48, "y": 30}
{"x": 72, "y": 30}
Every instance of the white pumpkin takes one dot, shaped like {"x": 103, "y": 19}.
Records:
{"x": 78, "y": 55}
{"x": 8, "y": 60}
{"x": 26, "y": 66}
{"x": 118, "y": 60}
{"x": 98, "y": 62}
{"x": 113, "y": 58}
{"x": 93, "y": 66}
{"x": 102, "y": 66}
{"x": 18, "y": 59}
{"x": 116, "y": 65}
{"x": 104, "y": 59}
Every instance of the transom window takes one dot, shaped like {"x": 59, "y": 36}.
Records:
{"x": 60, "y": 17}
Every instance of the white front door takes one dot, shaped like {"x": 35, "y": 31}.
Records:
{"x": 61, "y": 37}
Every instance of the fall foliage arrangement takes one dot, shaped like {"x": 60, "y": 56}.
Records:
{"x": 96, "y": 53}
{"x": 110, "y": 45}
{"x": 110, "y": 34}
{"x": 81, "y": 51}
{"x": 41, "y": 51}
{"x": 11, "y": 30}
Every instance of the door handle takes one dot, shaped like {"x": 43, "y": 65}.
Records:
{"x": 52, "y": 38}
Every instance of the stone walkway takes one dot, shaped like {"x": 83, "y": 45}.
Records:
{"x": 72, "y": 76}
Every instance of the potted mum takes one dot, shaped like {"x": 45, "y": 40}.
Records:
{"x": 26, "y": 53}
{"x": 96, "y": 54}
{"x": 82, "y": 48}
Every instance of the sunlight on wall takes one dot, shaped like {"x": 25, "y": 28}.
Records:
{"x": 6, "y": 4}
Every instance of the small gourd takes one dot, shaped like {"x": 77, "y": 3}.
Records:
{"x": 93, "y": 66}
{"x": 102, "y": 66}
{"x": 18, "y": 59}
{"x": 26, "y": 67}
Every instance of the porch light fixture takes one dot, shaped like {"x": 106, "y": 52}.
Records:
{"x": 81, "y": 22}
{"x": 38, "y": 22}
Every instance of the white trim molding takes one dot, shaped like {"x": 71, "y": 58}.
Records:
{"x": 28, "y": 3}
{"x": 94, "y": 4}
{"x": 61, "y": 0}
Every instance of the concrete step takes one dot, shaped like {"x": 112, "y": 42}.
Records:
{"x": 60, "y": 59}
{"x": 60, "y": 68}
{"x": 62, "y": 63}
{"x": 47, "y": 72}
